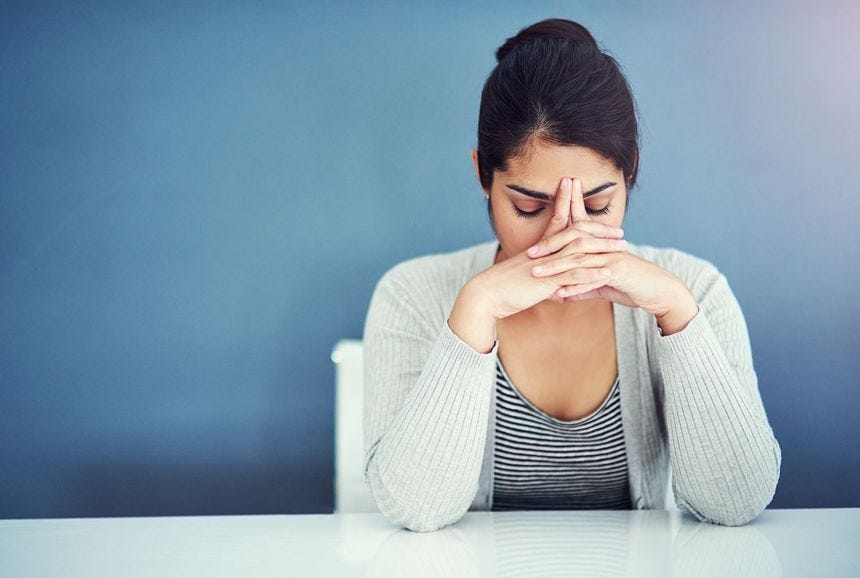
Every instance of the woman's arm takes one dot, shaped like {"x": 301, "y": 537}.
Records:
{"x": 426, "y": 406}
{"x": 725, "y": 460}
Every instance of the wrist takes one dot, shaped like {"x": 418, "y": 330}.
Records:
{"x": 474, "y": 297}
{"x": 677, "y": 315}
{"x": 472, "y": 321}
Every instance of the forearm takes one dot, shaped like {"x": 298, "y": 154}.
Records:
{"x": 424, "y": 460}
{"x": 725, "y": 459}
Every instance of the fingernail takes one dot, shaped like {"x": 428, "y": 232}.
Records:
{"x": 533, "y": 250}
{"x": 620, "y": 243}
{"x": 619, "y": 231}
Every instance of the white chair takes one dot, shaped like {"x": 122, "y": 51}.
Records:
{"x": 358, "y": 540}
{"x": 351, "y": 491}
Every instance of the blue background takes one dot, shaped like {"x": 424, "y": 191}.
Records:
{"x": 196, "y": 200}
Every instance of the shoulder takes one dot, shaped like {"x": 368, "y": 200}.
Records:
{"x": 676, "y": 260}
{"x": 423, "y": 289}
{"x": 442, "y": 270}
{"x": 686, "y": 266}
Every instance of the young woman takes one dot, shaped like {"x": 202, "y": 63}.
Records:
{"x": 578, "y": 375}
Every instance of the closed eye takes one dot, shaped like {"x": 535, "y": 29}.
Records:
{"x": 532, "y": 214}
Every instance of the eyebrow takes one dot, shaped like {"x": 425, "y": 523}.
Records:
{"x": 545, "y": 197}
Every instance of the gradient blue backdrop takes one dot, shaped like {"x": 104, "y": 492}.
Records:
{"x": 196, "y": 200}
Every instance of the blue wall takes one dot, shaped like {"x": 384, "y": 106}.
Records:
{"x": 196, "y": 201}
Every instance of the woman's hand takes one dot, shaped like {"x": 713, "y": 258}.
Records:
{"x": 509, "y": 287}
{"x": 634, "y": 282}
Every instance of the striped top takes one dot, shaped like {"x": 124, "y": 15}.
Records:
{"x": 542, "y": 462}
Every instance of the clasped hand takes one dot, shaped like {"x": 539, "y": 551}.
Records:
{"x": 579, "y": 258}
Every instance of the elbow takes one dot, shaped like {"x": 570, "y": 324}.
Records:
{"x": 734, "y": 505}
{"x": 417, "y": 513}
{"x": 414, "y": 514}
{"x": 736, "y": 499}
{"x": 725, "y": 515}
{"x": 419, "y": 524}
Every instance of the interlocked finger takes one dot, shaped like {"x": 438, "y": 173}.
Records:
{"x": 569, "y": 291}
{"x": 581, "y": 275}
{"x": 585, "y": 252}
{"x": 582, "y": 230}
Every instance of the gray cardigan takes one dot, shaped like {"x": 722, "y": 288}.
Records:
{"x": 689, "y": 401}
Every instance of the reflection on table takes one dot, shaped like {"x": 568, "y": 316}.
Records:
{"x": 534, "y": 543}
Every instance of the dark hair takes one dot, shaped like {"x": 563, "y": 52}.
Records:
{"x": 552, "y": 84}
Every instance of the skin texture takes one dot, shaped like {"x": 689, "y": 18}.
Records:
{"x": 634, "y": 281}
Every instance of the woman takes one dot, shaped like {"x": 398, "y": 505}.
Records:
{"x": 491, "y": 384}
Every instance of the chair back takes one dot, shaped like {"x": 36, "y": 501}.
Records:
{"x": 351, "y": 492}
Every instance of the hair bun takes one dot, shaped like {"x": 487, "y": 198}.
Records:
{"x": 552, "y": 28}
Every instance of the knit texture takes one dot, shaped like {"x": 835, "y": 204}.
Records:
{"x": 690, "y": 401}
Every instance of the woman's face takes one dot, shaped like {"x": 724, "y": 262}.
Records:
{"x": 541, "y": 173}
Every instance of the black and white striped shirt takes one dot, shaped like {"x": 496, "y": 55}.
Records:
{"x": 542, "y": 462}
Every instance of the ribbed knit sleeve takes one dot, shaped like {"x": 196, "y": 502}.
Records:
{"x": 426, "y": 406}
{"x": 725, "y": 460}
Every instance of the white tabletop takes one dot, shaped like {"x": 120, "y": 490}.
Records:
{"x": 536, "y": 543}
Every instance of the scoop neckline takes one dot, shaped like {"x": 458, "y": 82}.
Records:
{"x": 554, "y": 419}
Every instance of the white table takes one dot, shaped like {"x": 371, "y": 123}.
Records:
{"x": 659, "y": 543}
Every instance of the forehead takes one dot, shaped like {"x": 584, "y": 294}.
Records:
{"x": 547, "y": 161}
